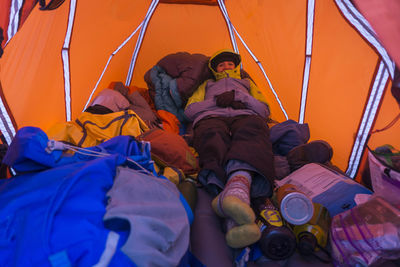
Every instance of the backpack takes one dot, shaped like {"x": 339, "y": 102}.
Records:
{"x": 93, "y": 129}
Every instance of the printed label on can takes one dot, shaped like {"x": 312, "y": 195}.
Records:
{"x": 272, "y": 217}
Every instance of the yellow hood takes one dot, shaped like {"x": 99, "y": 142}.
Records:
{"x": 235, "y": 73}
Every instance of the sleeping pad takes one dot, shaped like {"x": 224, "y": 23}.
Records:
{"x": 66, "y": 209}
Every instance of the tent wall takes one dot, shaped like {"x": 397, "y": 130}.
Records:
{"x": 31, "y": 70}
{"x": 337, "y": 96}
{"x": 342, "y": 71}
{"x": 13, "y": 15}
{"x": 384, "y": 18}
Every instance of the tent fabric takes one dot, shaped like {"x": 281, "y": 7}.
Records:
{"x": 1, "y": 40}
{"x": 383, "y": 16}
{"x": 396, "y": 86}
{"x": 12, "y": 16}
{"x": 199, "y": 2}
{"x": 317, "y": 62}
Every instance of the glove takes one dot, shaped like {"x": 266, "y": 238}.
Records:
{"x": 225, "y": 99}
{"x": 238, "y": 105}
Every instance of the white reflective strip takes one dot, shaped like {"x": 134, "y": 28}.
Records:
{"x": 7, "y": 117}
{"x": 109, "y": 251}
{"x": 5, "y": 133}
{"x": 6, "y": 126}
{"x": 310, "y": 26}
{"x": 71, "y": 17}
{"x": 14, "y": 18}
{"x": 359, "y": 16}
{"x": 368, "y": 118}
{"x": 139, "y": 41}
{"x": 361, "y": 24}
{"x": 263, "y": 71}
{"x": 67, "y": 83}
{"x": 304, "y": 91}
{"x": 65, "y": 60}
{"x": 230, "y": 26}
{"x": 363, "y": 120}
{"x": 307, "y": 64}
{"x": 309, "y": 42}
{"x": 108, "y": 62}
{"x": 10, "y": 27}
{"x": 369, "y": 124}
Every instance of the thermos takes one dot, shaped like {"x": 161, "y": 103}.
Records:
{"x": 277, "y": 241}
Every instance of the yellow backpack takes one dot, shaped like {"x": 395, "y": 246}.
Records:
{"x": 92, "y": 129}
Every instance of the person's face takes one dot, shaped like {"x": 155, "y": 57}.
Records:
{"x": 225, "y": 65}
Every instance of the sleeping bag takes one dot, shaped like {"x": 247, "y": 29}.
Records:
{"x": 61, "y": 210}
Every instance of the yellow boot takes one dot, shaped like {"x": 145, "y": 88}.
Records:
{"x": 243, "y": 235}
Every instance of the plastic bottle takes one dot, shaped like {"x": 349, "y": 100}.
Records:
{"x": 277, "y": 241}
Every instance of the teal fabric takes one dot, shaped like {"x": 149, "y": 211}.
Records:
{"x": 166, "y": 93}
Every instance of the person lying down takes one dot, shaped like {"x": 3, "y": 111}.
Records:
{"x": 231, "y": 136}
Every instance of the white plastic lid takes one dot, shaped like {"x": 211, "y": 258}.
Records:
{"x": 296, "y": 208}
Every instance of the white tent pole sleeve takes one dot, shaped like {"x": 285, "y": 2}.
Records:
{"x": 139, "y": 41}
{"x": 386, "y": 69}
{"x": 13, "y": 22}
{"x": 364, "y": 28}
{"x": 65, "y": 59}
{"x": 368, "y": 118}
{"x": 230, "y": 26}
{"x": 307, "y": 64}
{"x": 6, "y": 126}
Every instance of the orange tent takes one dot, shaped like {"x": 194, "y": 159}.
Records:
{"x": 318, "y": 62}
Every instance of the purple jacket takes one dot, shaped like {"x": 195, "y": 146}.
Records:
{"x": 195, "y": 111}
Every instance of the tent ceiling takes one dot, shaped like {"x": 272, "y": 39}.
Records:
{"x": 343, "y": 66}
